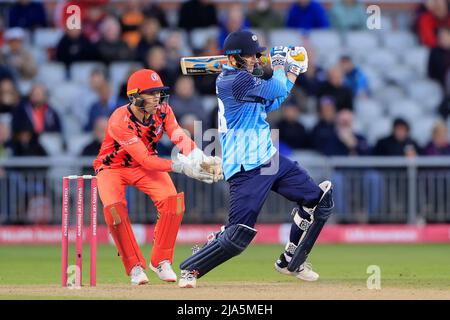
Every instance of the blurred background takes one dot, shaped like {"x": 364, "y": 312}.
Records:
{"x": 371, "y": 113}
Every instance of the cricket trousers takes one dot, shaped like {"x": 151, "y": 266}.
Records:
{"x": 250, "y": 189}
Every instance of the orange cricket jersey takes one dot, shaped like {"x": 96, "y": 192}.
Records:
{"x": 130, "y": 143}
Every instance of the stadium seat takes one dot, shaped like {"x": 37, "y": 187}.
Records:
{"x": 379, "y": 129}
{"x": 325, "y": 40}
{"x": 209, "y": 103}
{"x": 308, "y": 120}
{"x": 407, "y": 109}
{"x": 64, "y": 100}
{"x": 52, "y": 143}
{"x": 78, "y": 142}
{"x": 357, "y": 40}
{"x": 376, "y": 82}
{"x": 381, "y": 58}
{"x": 417, "y": 58}
{"x": 283, "y": 37}
{"x": 47, "y": 37}
{"x": 421, "y": 129}
{"x": 51, "y": 73}
{"x": 25, "y": 86}
{"x": 199, "y": 37}
{"x": 118, "y": 71}
{"x": 39, "y": 55}
{"x": 367, "y": 110}
{"x": 426, "y": 92}
{"x": 80, "y": 72}
{"x": 386, "y": 94}
{"x": 399, "y": 74}
{"x": 399, "y": 40}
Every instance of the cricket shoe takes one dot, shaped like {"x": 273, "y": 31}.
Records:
{"x": 164, "y": 271}
{"x": 138, "y": 276}
{"x": 304, "y": 272}
{"x": 188, "y": 279}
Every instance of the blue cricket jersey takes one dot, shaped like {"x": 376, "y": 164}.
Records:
{"x": 244, "y": 101}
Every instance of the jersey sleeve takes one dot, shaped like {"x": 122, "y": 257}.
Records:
{"x": 247, "y": 88}
{"x": 120, "y": 132}
{"x": 177, "y": 134}
{"x": 278, "y": 101}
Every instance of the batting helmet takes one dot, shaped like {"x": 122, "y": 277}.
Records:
{"x": 242, "y": 42}
{"x": 144, "y": 81}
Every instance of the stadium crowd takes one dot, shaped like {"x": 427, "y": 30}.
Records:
{"x": 132, "y": 31}
{"x": 363, "y": 94}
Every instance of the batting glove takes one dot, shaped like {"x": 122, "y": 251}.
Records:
{"x": 278, "y": 56}
{"x": 297, "y": 60}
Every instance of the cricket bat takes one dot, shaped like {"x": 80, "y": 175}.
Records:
{"x": 213, "y": 64}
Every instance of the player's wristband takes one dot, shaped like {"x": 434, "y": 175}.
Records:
{"x": 294, "y": 69}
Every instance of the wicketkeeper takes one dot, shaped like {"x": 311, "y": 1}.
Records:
{"x": 128, "y": 157}
{"x": 253, "y": 167}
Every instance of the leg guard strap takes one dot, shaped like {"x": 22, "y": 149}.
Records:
{"x": 227, "y": 244}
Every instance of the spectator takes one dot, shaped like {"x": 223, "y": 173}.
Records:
{"x": 36, "y": 114}
{"x": 187, "y": 122}
{"x": 73, "y": 47}
{"x": 439, "y": 59}
{"x": 131, "y": 20}
{"x": 344, "y": 141}
{"x": 197, "y": 14}
{"x": 92, "y": 149}
{"x": 324, "y": 129}
{"x": 334, "y": 87}
{"x": 398, "y": 143}
{"x": 9, "y": 96}
{"x": 157, "y": 61}
{"x": 92, "y": 19}
{"x": 307, "y": 15}
{"x": 90, "y": 94}
{"x": 234, "y": 21}
{"x": 436, "y": 15}
{"x": 153, "y": 10}
{"x": 111, "y": 47}
{"x": 354, "y": 77}
{"x": 5, "y": 141}
{"x": 348, "y": 15}
{"x": 291, "y": 131}
{"x": 26, "y": 144}
{"x": 150, "y": 32}
{"x": 264, "y": 16}
{"x": 15, "y": 55}
{"x": 310, "y": 81}
{"x": 185, "y": 100}
{"x": 206, "y": 84}
{"x": 27, "y": 14}
{"x": 439, "y": 144}
{"x": 106, "y": 104}
{"x": 175, "y": 49}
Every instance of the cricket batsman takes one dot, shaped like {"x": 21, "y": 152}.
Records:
{"x": 128, "y": 156}
{"x": 252, "y": 165}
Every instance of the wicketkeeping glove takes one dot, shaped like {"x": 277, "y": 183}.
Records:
{"x": 209, "y": 164}
{"x": 213, "y": 165}
{"x": 191, "y": 168}
{"x": 297, "y": 60}
{"x": 278, "y": 56}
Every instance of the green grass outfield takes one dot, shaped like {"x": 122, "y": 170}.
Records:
{"x": 405, "y": 266}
